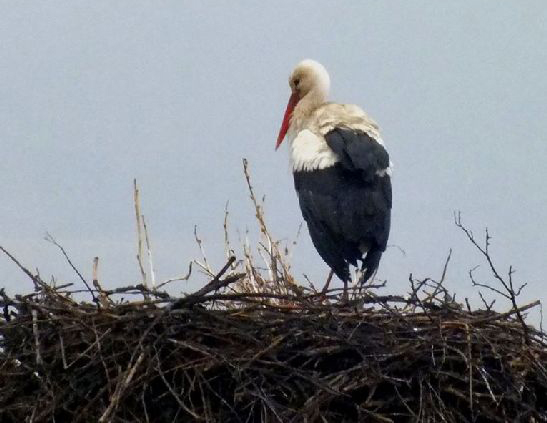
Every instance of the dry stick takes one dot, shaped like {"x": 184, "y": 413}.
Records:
{"x": 498, "y": 316}
{"x": 255, "y": 297}
{"x": 416, "y": 297}
{"x": 541, "y": 318}
{"x": 205, "y": 266}
{"x": 130, "y": 372}
{"x": 439, "y": 287}
{"x": 269, "y": 262}
{"x": 50, "y": 238}
{"x": 511, "y": 294}
{"x": 39, "y": 360}
{"x": 38, "y": 283}
{"x": 89, "y": 348}
{"x": 211, "y": 286}
{"x": 179, "y": 278}
{"x": 483, "y": 285}
{"x": 288, "y": 252}
{"x": 488, "y": 306}
{"x": 137, "y": 201}
{"x": 103, "y": 298}
{"x": 173, "y": 392}
{"x": 445, "y": 266}
{"x": 214, "y": 285}
{"x": 274, "y": 343}
{"x": 144, "y": 290}
{"x": 227, "y": 246}
{"x": 470, "y": 365}
{"x": 327, "y": 283}
{"x": 63, "y": 355}
{"x": 122, "y": 385}
{"x": 149, "y": 251}
{"x": 96, "y": 274}
{"x": 274, "y": 251}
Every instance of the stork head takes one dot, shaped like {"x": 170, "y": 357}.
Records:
{"x": 310, "y": 83}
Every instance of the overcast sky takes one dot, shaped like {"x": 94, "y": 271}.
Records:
{"x": 95, "y": 93}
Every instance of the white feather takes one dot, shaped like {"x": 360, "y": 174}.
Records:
{"x": 310, "y": 152}
{"x": 387, "y": 171}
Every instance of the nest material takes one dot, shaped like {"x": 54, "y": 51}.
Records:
{"x": 256, "y": 347}
{"x": 249, "y": 357}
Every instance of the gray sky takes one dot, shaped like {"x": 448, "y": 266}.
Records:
{"x": 93, "y": 94}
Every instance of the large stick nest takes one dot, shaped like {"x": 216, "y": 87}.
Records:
{"x": 244, "y": 357}
{"x": 254, "y": 346}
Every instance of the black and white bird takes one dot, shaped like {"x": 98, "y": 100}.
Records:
{"x": 342, "y": 173}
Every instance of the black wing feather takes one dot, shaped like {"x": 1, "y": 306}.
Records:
{"x": 358, "y": 151}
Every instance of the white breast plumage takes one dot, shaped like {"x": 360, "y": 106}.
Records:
{"x": 310, "y": 151}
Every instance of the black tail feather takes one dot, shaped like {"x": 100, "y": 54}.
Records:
{"x": 342, "y": 271}
{"x": 371, "y": 263}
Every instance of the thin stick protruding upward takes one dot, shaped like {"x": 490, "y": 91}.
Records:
{"x": 138, "y": 217}
{"x": 149, "y": 252}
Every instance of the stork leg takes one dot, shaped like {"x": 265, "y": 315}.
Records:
{"x": 327, "y": 283}
{"x": 345, "y": 297}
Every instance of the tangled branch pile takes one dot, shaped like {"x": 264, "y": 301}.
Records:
{"x": 247, "y": 357}
{"x": 253, "y": 346}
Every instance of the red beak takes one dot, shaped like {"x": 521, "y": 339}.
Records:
{"x": 293, "y": 100}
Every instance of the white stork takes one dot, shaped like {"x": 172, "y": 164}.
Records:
{"x": 341, "y": 173}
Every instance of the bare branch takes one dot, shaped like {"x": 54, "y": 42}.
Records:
{"x": 510, "y": 293}
{"x": 138, "y": 218}
{"x": 49, "y": 238}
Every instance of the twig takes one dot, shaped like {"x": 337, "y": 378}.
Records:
{"x": 149, "y": 251}
{"x": 445, "y": 266}
{"x": 138, "y": 217}
{"x": 95, "y": 274}
{"x": 173, "y": 392}
{"x": 327, "y": 283}
{"x": 227, "y": 248}
{"x": 485, "y": 303}
{"x": 123, "y": 383}
{"x": 178, "y": 278}
{"x": 38, "y": 283}
{"x": 39, "y": 360}
{"x": 103, "y": 298}
{"x": 508, "y": 286}
{"x": 63, "y": 354}
{"x": 205, "y": 265}
{"x": 499, "y": 316}
{"x": 214, "y": 285}
{"x": 50, "y": 238}
{"x": 272, "y": 248}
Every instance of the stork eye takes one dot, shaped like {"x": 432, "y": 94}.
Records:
{"x": 296, "y": 82}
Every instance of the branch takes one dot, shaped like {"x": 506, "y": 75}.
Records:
{"x": 38, "y": 283}
{"x": 508, "y": 286}
{"x": 49, "y": 238}
{"x": 214, "y": 285}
